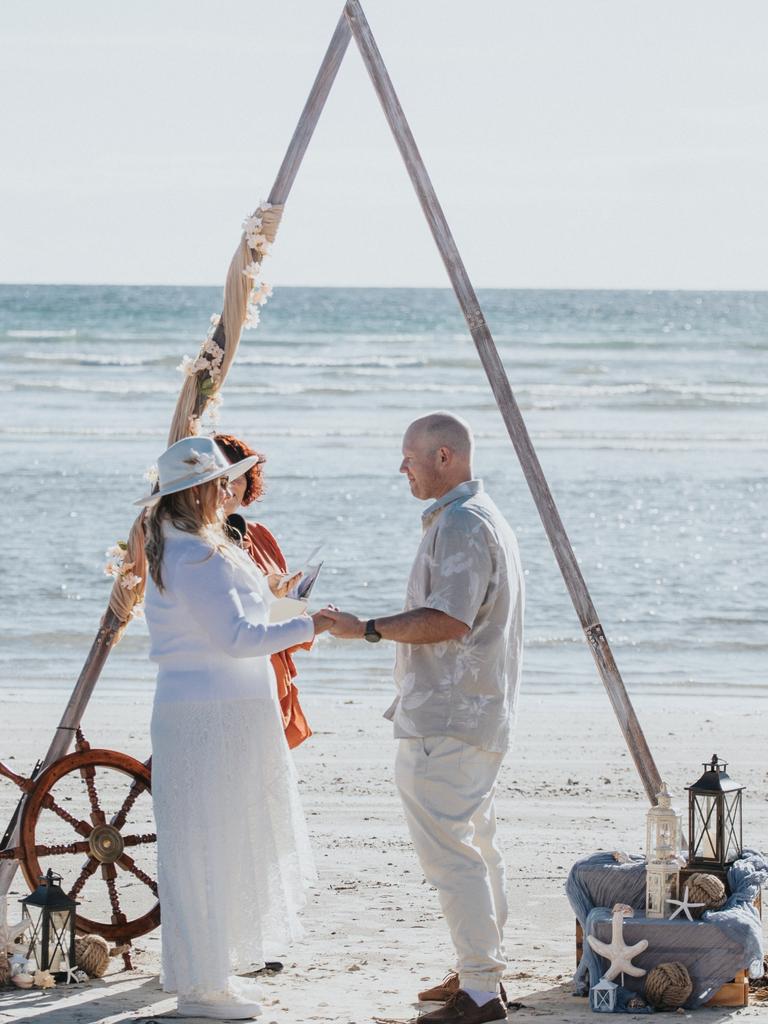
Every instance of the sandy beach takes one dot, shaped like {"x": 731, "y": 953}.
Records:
{"x": 374, "y": 933}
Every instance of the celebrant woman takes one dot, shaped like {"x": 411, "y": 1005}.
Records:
{"x": 233, "y": 852}
{"x": 260, "y": 545}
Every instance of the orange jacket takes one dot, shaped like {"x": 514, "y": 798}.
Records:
{"x": 266, "y": 553}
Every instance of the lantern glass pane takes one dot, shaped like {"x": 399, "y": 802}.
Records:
{"x": 654, "y": 894}
{"x": 732, "y": 827}
{"x": 58, "y": 939}
{"x": 666, "y": 842}
{"x": 603, "y": 999}
{"x": 705, "y": 827}
{"x": 34, "y": 935}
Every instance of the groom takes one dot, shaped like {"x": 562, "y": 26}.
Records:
{"x": 457, "y": 669}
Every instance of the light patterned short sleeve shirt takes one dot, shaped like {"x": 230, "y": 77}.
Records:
{"x": 467, "y": 566}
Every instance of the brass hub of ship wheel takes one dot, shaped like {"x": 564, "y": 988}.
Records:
{"x": 106, "y": 844}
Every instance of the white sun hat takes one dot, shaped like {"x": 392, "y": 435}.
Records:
{"x": 193, "y": 461}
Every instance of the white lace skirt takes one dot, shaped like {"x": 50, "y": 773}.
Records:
{"x": 233, "y": 852}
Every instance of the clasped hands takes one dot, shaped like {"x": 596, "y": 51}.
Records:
{"x": 340, "y": 624}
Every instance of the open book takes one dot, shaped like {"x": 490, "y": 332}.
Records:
{"x": 309, "y": 574}
{"x": 295, "y": 602}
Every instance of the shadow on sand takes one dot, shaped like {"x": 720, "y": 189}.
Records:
{"x": 140, "y": 1000}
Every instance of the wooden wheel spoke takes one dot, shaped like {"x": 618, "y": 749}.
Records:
{"x": 129, "y": 864}
{"x": 88, "y": 775}
{"x": 53, "y": 851}
{"x": 139, "y": 840}
{"x": 109, "y": 874}
{"x": 134, "y": 792}
{"x": 88, "y": 869}
{"x": 83, "y": 828}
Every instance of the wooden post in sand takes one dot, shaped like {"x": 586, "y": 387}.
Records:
{"x": 505, "y": 400}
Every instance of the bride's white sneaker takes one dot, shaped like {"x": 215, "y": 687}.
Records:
{"x": 231, "y": 1008}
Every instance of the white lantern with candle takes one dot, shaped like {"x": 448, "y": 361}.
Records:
{"x": 663, "y": 839}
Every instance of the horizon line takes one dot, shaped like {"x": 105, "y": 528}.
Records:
{"x": 404, "y": 287}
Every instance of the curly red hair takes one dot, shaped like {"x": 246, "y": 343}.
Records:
{"x": 235, "y": 450}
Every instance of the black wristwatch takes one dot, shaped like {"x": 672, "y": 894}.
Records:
{"x": 371, "y": 634}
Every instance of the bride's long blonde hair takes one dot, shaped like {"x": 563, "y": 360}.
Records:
{"x": 194, "y": 510}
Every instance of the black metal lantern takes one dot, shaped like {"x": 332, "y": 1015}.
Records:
{"x": 52, "y": 932}
{"x": 714, "y": 819}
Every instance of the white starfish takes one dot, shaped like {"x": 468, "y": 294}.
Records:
{"x": 617, "y": 951}
{"x": 71, "y": 972}
{"x": 684, "y": 906}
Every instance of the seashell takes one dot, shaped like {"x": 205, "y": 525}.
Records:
{"x": 23, "y": 980}
{"x": 44, "y": 979}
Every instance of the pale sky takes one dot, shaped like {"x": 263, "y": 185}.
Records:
{"x": 573, "y": 143}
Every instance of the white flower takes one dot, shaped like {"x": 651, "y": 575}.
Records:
{"x": 252, "y": 270}
{"x": 252, "y": 227}
{"x": 129, "y": 581}
{"x": 261, "y": 294}
{"x": 252, "y": 223}
{"x": 116, "y": 552}
{"x": 252, "y": 317}
{"x": 188, "y": 366}
{"x": 211, "y": 349}
{"x": 216, "y": 319}
{"x": 260, "y": 243}
{"x": 137, "y": 612}
{"x": 263, "y": 206}
{"x": 113, "y": 569}
{"x": 152, "y": 475}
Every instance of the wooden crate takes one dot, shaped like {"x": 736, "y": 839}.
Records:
{"x": 735, "y": 993}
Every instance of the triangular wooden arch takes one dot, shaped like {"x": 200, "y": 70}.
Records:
{"x": 353, "y": 24}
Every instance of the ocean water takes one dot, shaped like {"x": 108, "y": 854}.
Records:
{"x": 648, "y": 411}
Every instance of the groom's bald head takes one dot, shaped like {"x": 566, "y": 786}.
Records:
{"x": 444, "y": 430}
{"x": 437, "y": 454}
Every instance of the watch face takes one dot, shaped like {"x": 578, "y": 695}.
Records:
{"x": 371, "y": 634}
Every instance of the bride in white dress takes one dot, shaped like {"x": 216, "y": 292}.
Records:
{"x": 233, "y": 852}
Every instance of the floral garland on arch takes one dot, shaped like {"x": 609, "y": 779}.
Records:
{"x": 119, "y": 569}
{"x": 207, "y": 366}
{"x": 123, "y": 571}
{"x": 244, "y": 295}
{"x": 260, "y": 246}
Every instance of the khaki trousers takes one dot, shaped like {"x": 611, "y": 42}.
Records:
{"x": 447, "y": 788}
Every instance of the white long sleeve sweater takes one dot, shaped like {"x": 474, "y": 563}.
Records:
{"x": 209, "y": 626}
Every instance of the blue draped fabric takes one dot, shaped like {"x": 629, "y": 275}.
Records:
{"x": 714, "y": 948}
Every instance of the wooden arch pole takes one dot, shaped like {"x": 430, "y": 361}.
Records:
{"x": 518, "y": 432}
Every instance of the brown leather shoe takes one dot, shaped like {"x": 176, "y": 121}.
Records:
{"x": 441, "y": 993}
{"x": 462, "y": 1009}
{"x": 450, "y": 986}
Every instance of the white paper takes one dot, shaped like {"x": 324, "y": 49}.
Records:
{"x": 283, "y": 608}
